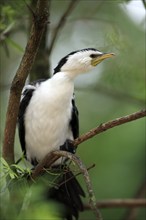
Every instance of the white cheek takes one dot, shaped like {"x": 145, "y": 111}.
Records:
{"x": 68, "y": 66}
{"x": 86, "y": 64}
{"x": 86, "y": 61}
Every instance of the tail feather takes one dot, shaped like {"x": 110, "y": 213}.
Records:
{"x": 69, "y": 193}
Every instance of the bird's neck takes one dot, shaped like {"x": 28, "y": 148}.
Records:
{"x": 63, "y": 84}
{"x": 66, "y": 76}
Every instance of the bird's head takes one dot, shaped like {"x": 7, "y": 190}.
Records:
{"x": 81, "y": 61}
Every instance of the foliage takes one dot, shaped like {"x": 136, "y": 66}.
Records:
{"x": 10, "y": 22}
{"x": 14, "y": 171}
{"x": 10, "y": 13}
{"x": 7, "y": 17}
{"x": 29, "y": 199}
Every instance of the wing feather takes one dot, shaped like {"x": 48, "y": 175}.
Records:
{"x": 25, "y": 99}
{"x": 74, "y": 123}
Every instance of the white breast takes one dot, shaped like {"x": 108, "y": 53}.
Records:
{"x": 48, "y": 116}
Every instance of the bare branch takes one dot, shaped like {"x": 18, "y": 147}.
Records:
{"x": 93, "y": 165}
{"x": 37, "y": 29}
{"x": 48, "y": 160}
{"x": 108, "y": 125}
{"x": 119, "y": 203}
{"x": 53, "y": 156}
{"x": 61, "y": 23}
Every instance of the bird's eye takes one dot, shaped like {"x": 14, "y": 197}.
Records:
{"x": 94, "y": 55}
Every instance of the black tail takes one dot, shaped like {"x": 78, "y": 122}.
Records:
{"x": 69, "y": 193}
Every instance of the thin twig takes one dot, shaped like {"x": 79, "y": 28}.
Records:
{"x": 52, "y": 157}
{"x": 108, "y": 125}
{"x": 48, "y": 160}
{"x": 5, "y": 33}
{"x": 61, "y": 24}
{"x": 82, "y": 167}
{"x": 76, "y": 175}
{"x": 30, "y": 9}
{"x": 120, "y": 203}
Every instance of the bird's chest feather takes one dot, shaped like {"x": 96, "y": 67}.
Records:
{"x": 47, "y": 120}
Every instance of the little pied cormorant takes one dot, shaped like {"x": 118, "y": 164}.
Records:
{"x": 48, "y": 120}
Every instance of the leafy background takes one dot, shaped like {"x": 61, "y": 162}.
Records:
{"x": 115, "y": 88}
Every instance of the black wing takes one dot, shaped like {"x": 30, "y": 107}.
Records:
{"x": 27, "y": 94}
{"x": 74, "y": 123}
{"x": 22, "y": 108}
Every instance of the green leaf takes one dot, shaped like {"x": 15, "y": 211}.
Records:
{"x": 18, "y": 168}
{"x": 4, "y": 163}
{"x": 14, "y": 45}
{"x": 12, "y": 175}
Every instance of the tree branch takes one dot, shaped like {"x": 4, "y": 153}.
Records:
{"x": 52, "y": 157}
{"x": 39, "y": 23}
{"x": 108, "y": 125}
{"x": 61, "y": 23}
{"x": 119, "y": 203}
{"x": 41, "y": 66}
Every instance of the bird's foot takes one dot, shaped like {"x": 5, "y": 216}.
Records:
{"x": 68, "y": 146}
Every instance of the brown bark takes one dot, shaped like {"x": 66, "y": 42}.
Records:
{"x": 119, "y": 203}
{"x": 40, "y": 19}
{"x": 110, "y": 124}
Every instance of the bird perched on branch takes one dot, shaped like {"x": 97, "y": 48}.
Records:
{"x": 48, "y": 120}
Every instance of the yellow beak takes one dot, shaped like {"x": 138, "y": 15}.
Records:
{"x": 100, "y": 58}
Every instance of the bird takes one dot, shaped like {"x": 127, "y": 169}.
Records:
{"x": 48, "y": 120}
